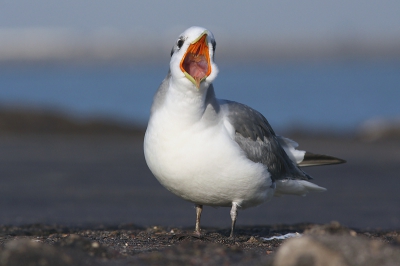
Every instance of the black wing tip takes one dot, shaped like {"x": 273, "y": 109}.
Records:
{"x": 312, "y": 159}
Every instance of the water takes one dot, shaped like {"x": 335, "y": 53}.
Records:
{"x": 335, "y": 95}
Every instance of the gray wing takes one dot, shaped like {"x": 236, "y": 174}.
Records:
{"x": 258, "y": 140}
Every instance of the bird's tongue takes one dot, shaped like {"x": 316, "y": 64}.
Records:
{"x": 196, "y": 62}
{"x": 196, "y": 66}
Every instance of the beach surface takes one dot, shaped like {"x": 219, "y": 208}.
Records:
{"x": 89, "y": 192}
{"x": 80, "y": 179}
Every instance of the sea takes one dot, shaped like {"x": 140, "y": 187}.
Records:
{"x": 335, "y": 96}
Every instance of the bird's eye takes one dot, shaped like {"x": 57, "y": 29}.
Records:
{"x": 179, "y": 43}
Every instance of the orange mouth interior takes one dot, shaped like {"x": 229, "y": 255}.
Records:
{"x": 195, "y": 64}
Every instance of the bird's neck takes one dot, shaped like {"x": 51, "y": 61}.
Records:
{"x": 192, "y": 105}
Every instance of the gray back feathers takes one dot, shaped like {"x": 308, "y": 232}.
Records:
{"x": 258, "y": 140}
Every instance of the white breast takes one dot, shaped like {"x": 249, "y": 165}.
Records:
{"x": 202, "y": 163}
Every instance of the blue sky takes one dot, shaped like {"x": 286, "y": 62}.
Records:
{"x": 261, "y": 19}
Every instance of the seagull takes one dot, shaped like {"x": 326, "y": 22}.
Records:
{"x": 217, "y": 152}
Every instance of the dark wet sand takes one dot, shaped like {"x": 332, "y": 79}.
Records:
{"x": 77, "y": 180}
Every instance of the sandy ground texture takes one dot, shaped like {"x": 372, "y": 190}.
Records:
{"x": 330, "y": 244}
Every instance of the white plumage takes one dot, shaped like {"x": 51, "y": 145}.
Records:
{"x": 192, "y": 142}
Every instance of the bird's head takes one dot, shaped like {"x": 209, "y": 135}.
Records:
{"x": 192, "y": 58}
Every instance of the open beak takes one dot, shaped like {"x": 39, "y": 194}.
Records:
{"x": 195, "y": 64}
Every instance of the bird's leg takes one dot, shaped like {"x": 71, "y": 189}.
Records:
{"x": 199, "y": 209}
{"x": 233, "y": 217}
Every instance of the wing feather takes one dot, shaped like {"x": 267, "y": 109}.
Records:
{"x": 258, "y": 140}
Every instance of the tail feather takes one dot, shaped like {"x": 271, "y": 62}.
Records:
{"x": 296, "y": 187}
{"x": 305, "y": 158}
{"x": 301, "y": 158}
{"x": 312, "y": 159}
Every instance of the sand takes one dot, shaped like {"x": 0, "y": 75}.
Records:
{"x": 91, "y": 200}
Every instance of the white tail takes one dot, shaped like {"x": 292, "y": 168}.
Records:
{"x": 296, "y": 187}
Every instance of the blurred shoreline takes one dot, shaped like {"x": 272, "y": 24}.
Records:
{"x": 29, "y": 120}
{"x": 21, "y": 121}
{"x": 111, "y": 46}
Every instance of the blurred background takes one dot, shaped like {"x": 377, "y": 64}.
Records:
{"x": 77, "y": 80}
